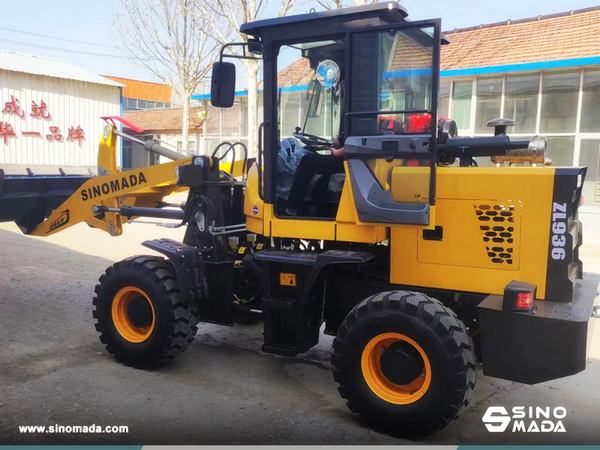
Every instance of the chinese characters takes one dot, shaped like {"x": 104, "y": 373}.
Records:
{"x": 41, "y": 111}
{"x": 6, "y": 131}
{"x": 14, "y": 107}
{"x": 76, "y": 134}
{"x": 55, "y": 136}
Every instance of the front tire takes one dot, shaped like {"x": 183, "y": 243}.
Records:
{"x": 405, "y": 363}
{"x": 140, "y": 314}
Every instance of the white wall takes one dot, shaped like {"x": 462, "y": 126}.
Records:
{"x": 591, "y": 226}
{"x": 71, "y": 103}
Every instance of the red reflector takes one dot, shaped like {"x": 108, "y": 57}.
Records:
{"x": 525, "y": 300}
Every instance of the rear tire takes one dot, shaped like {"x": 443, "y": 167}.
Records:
{"x": 440, "y": 367}
{"x": 140, "y": 314}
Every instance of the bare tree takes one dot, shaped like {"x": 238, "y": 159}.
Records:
{"x": 237, "y": 12}
{"x": 166, "y": 38}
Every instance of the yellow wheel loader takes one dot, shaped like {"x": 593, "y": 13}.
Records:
{"x": 366, "y": 213}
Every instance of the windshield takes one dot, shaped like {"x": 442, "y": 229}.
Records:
{"x": 392, "y": 83}
{"x": 309, "y": 88}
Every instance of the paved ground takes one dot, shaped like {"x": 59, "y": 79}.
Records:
{"x": 54, "y": 370}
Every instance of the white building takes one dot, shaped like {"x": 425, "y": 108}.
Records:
{"x": 164, "y": 125}
{"x": 50, "y": 114}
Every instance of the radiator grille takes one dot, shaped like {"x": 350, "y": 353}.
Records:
{"x": 497, "y": 230}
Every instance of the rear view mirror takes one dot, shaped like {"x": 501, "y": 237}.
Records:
{"x": 222, "y": 84}
{"x": 314, "y": 99}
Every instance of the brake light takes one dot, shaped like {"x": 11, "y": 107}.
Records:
{"x": 419, "y": 123}
{"x": 519, "y": 296}
{"x": 525, "y": 300}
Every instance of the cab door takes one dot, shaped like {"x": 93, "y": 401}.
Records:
{"x": 309, "y": 113}
{"x": 391, "y": 121}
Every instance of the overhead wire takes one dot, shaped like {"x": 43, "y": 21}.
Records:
{"x": 56, "y": 38}
{"x": 68, "y": 50}
{"x": 62, "y": 49}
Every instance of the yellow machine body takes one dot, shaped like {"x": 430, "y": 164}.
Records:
{"x": 494, "y": 225}
{"x": 495, "y": 229}
{"x": 113, "y": 188}
{"x": 141, "y": 187}
{"x": 493, "y": 220}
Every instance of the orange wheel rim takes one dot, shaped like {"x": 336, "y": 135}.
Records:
{"x": 122, "y": 320}
{"x": 377, "y": 381}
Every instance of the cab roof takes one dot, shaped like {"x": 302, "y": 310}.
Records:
{"x": 387, "y": 12}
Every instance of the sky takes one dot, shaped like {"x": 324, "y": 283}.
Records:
{"x": 89, "y": 24}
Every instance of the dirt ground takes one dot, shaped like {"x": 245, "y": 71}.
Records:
{"x": 222, "y": 390}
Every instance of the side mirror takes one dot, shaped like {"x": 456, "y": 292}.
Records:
{"x": 222, "y": 84}
{"x": 314, "y": 99}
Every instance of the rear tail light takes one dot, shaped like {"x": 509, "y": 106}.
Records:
{"x": 419, "y": 123}
{"x": 519, "y": 296}
{"x": 525, "y": 300}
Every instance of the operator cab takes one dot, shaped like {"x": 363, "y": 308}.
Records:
{"x": 363, "y": 78}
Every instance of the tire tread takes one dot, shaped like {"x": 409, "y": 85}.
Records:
{"x": 450, "y": 330}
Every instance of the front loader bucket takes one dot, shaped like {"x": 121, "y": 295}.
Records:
{"x": 29, "y": 199}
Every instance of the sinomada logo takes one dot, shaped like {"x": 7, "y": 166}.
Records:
{"x": 527, "y": 419}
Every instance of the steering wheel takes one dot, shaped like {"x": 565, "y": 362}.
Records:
{"x": 312, "y": 142}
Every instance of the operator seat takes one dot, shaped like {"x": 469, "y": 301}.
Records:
{"x": 321, "y": 193}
